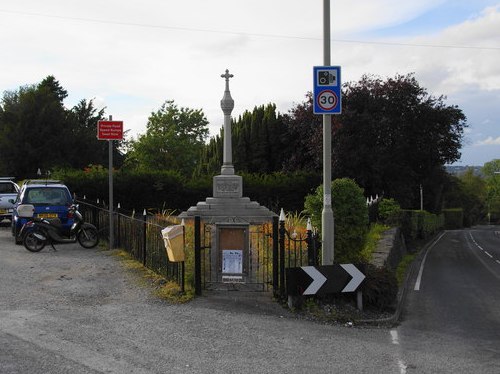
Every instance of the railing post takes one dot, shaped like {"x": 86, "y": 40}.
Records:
{"x": 145, "y": 219}
{"x": 311, "y": 261}
{"x": 275, "y": 255}
{"x": 282, "y": 257}
{"x": 197, "y": 255}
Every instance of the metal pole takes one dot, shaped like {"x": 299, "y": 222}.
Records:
{"x": 421, "y": 197}
{"x": 110, "y": 182}
{"x": 197, "y": 255}
{"x": 282, "y": 257}
{"x": 327, "y": 255}
{"x": 275, "y": 256}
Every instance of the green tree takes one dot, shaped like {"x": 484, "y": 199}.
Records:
{"x": 86, "y": 148}
{"x": 350, "y": 216}
{"x": 468, "y": 192}
{"x": 491, "y": 172}
{"x": 258, "y": 140}
{"x": 33, "y": 131}
{"x": 393, "y": 136}
{"x": 173, "y": 140}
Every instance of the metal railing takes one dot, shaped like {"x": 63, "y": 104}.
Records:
{"x": 139, "y": 236}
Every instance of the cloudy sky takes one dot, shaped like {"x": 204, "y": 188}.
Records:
{"x": 130, "y": 56}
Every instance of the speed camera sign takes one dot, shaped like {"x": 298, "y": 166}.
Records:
{"x": 327, "y": 94}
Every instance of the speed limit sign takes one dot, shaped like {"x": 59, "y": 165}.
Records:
{"x": 327, "y": 100}
{"x": 327, "y": 94}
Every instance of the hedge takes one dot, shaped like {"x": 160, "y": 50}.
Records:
{"x": 420, "y": 224}
{"x": 169, "y": 190}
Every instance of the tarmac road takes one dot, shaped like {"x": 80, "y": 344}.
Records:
{"x": 452, "y": 315}
{"x": 77, "y": 311}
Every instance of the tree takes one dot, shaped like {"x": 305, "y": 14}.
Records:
{"x": 33, "y": 129}
{"x": 173, "y": 141}
{"x": 393, "y": 136}
{"x": 304, "y": 140}
{"x": 86, "y": 149}
{"x": 491, "y": 172}
{"x": 258, "y": 140}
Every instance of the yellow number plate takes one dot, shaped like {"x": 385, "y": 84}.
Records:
{"x": 47, "y": 215}
{"x": 3, "y": 211}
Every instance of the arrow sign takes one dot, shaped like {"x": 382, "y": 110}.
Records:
{"x": 318, "y": 280}
{"x": 357, "y": 277}
{"x": 321, "y": 280}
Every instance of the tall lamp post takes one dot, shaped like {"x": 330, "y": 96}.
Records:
{"x": 327, "y": 254}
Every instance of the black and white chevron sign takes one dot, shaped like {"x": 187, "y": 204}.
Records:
{"x": 322, "y": 280}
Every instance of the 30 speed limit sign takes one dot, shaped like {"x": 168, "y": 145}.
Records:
{"x": 327, "y": 100}
{"x": 327, "y": 94}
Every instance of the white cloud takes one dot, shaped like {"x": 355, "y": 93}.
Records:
{"x": 489, "y": 141}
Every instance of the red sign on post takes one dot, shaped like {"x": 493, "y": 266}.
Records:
{"x": 110, "y": 130}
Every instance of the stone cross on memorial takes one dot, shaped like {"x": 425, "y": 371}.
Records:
{"x": 227, "y": 105}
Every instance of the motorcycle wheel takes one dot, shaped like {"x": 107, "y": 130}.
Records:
{"x": 88, "y": 237}
{"x": 32, "y": 243}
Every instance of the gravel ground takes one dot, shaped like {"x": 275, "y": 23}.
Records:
{"x": 78, "y": 311}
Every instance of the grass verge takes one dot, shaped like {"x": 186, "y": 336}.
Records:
{"x": 162, "y": 288}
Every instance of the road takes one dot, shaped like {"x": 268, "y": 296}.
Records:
{"x": 453, "y": 307}
{"x": 79, "y": 311}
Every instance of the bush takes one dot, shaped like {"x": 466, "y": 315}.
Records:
{"x": 380, "y": 288}
{"x": 350, "y": 215}
{"x": 420, "y": 224}
{"x": 389, "y": 211}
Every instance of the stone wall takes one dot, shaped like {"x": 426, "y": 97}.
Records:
{"x": 390, "y": 249}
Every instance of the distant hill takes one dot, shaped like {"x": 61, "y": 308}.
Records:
{"x": 458, "y": 169}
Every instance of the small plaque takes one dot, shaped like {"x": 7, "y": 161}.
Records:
{"x": 232, "y": 279}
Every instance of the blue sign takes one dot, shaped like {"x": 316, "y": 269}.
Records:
{"x": 327, "y": 95}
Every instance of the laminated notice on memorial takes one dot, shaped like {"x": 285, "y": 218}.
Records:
{"x": 232, "y": 261}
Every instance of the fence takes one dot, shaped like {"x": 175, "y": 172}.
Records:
{"x": 140, "y": 237}
{"x": 273, "y": 247}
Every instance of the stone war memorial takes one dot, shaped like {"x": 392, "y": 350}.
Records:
{"x": 236, "y": 249}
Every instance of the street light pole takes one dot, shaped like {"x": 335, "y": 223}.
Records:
{"x": 327, "y": 256}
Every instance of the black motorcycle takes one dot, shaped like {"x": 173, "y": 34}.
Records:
{"x": 39, "y": 231}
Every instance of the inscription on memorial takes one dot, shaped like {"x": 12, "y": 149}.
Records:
{"x": 228, "y": 186}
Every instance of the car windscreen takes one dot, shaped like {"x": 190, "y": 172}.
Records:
{"x": 7, "y": 188}
{"x": 46, "y": 196}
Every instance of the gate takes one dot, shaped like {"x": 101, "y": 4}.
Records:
{"x": 271, "y": 249}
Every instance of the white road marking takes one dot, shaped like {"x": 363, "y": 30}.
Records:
{"x": 395, "y": 340}
{"x": 497, "y": 261}
{"x": 395, "y": 337}
{"x": 488, "y": 254}
{"x": 419, "y": 277}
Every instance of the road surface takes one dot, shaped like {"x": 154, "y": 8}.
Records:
{"x": 453, "y": 306}
{"x": 78, "y": 311}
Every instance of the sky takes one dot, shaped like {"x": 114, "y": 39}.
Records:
{"x": 131, "y": 56}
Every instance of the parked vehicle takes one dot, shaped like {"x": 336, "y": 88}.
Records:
{"x": 37, "y": 232}
{"x": 8, "y": 193}
{"x": 51, "y": 199}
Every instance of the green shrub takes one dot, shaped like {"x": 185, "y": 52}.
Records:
{"x": 420, "y": 224}
{"x": 380, "y": 288}
{"x": 372, "y": 238}
{"x": 350, "y": 217}
{"x": 389, "y": 211}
